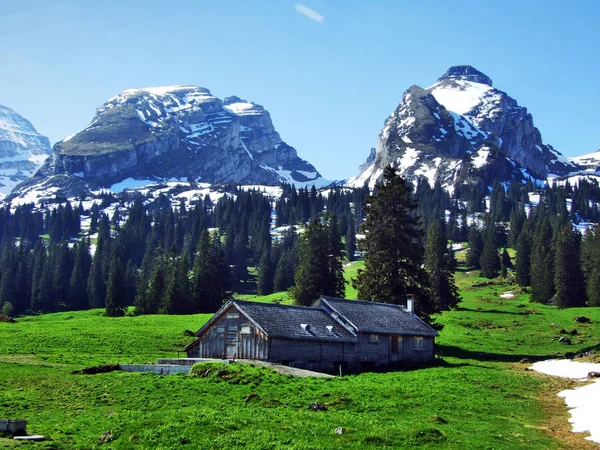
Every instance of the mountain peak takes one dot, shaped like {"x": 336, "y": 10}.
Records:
{"x": 466, "y": 73}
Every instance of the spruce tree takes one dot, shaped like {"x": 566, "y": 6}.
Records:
{"x": 266, "y": 274}
{"x": 351, "y": 240}
{"x": 444, "y": 292}
{"x": 115, "y": 301}
{"x": 523, "y": 261}
{"x": 335, "y": 284}
{"x": 542, "y": 264}
{"x": 311, "y": 274}
{"x": 77, "y": 297}
{"x": 393, "y": 245}
{"x": 475, "y": 247}
{"x": 178, "y": 286}
{"x": 489, "y": 260}
{"x": 568, "y": 276}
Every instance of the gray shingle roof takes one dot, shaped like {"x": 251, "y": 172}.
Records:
{"x": 373, "y": 317}
{"x": 286, "y": 321}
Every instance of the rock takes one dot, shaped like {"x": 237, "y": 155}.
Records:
{"x": 339, "y": 430}
{"x": 569, "y": 355}
{"x": 189, "y": 333}
{"x": 573, "y": 332}
{"x": 106, "y": 437}
{"x": 251, "y": 397}
{"x": 582, "y": 319}
{"x": 562, "y": 331}
{"x": 565, "y": 340}
{"x": 525, "y": 361}
{"x": 594, "y": 375}
{"x": 317, "y": 407}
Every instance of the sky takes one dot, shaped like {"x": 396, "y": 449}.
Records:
{"x": 329, "y": 71}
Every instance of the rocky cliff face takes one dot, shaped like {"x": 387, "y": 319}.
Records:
{"x": 459, "y": 130}
{"x": 22, "y": 149}
{"x": 178, "y": 132}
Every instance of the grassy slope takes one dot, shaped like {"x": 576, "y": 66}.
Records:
{"x": 468, "y": 400}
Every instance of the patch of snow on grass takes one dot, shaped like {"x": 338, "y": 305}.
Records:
{"x": 584, "y": 401}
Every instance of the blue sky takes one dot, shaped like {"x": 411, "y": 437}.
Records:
{"x": 329, "y": 85}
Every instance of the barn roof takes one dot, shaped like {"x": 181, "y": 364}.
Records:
{"x": 373, "y": 317}
{"x": 290, "y": 321}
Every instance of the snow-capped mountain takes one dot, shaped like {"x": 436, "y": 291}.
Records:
{"x": 175, "y": 132}
{"x": 462, "y": 130}
{"x": 22, "y": 149}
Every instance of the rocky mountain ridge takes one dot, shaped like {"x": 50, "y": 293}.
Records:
{"x": 175, "y": 132}
{"x": 462, "y": 130}
{"x": 22, "y": 149}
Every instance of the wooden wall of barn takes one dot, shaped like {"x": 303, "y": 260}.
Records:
{"x": 232, "y": 336}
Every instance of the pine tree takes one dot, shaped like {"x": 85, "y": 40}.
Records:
{"x": 590, "y": 260}
{"x": 475, "y": 247}
{"x": 77, "y": 298}
{"x": 284, "y": 273}
{"x": 177, "y": 291}
{"x": 351, "y": 240}
{"x": 335, "y": 283}
{"x": 542, "y": 264}
{"x": 264, "y": 284}
{"x": 393, "y": 245}
{"x": 115, "y": 301}
{"x": 444, "y": 292}
{"x": 311, "y": 274}
{"x": 490, "y": 260}
{"x": 568, "y": 276}
{"x": 523, "y": 261}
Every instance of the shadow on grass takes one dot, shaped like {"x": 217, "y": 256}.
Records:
{"x": 461, "y": 353}
{"x": 496, "y": 311}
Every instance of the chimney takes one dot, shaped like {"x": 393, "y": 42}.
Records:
{"x": 410, "y": 303}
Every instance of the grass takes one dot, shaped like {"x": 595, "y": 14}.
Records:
{"x": 478, "y": 396}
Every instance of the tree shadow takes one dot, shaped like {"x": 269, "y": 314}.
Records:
{"x": 496, "y": 311}
{"x": 461, "y": 353}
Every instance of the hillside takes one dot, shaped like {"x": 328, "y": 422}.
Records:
{"x": 477, "y": 396}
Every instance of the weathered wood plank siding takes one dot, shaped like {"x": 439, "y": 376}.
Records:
{"x": 232, "y": 336}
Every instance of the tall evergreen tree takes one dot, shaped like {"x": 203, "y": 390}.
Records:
{"x": 444, "y": 292}
{"x": 115, "y": 301}
{"x": 489, "y": 260}
{"x": 266, "y": 274}
{"x": 542, "y": 263}
{"x": 475, "y": 247}
{"x": 393, "y": 245}
{"x": 523, "y": 261}
{"x": 177, "y": 292}
{"x": 311, "y": 274}
{"x": 568, "y": 276}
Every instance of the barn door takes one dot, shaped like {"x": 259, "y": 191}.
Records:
{"x": 231, "y": 346}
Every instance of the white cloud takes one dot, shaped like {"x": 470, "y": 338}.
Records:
{"x": 311, "y": 14}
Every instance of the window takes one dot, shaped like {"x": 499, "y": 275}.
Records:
{"x": 220, "y": 330}
{"x": 374, "y": 339}
{"x": 245, "y": 329}
{"x": 418, "y": 343}
{"x": 233, "y": 328}
{"x": 233, "y": 315}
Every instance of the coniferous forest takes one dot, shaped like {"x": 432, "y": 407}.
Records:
{"x": 164, "y": 257}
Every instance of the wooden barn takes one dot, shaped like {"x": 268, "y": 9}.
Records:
{"x": 330, "y": 334}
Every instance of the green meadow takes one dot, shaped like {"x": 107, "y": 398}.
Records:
{"x": 476, "y": 395}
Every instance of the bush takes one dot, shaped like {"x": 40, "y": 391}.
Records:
{"x": 7, "y": 309}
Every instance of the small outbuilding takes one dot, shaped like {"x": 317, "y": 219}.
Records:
{"x": 333, "y": 333}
